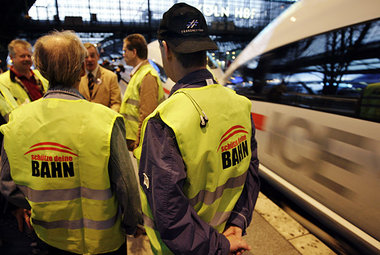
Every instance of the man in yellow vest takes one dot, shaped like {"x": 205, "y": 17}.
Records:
{"x": 198, "y": 165}
{"x": 370, "y": 102}
{"x": 25, "y": 84}
{"x": 144, "y": 91}
{"x": 66, "y": 163}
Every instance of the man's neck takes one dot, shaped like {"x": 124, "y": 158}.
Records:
{"x": 136, "y": 67}
{"x": 138, "y": 62}
{"x": 182, "y": 72}
{"x": 93, "y": 71}
{"x": 27, "y": 73}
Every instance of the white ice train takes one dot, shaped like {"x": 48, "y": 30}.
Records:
{"x": 305, "y": 74}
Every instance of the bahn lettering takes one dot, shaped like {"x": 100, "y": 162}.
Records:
{"x": 238, "y": 152}
{"x": 52, "y": 169}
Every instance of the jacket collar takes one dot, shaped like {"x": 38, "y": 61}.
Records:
{"x": 136, "y": 68}
{"x": 193, "y": 80}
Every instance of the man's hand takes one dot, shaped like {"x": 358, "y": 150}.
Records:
{"x": 233, "y": 230}
{"x": 237, "y": 244}
{"x": 21, "y": 215}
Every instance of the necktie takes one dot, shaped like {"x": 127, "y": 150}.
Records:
{"x": 90, "y": 77}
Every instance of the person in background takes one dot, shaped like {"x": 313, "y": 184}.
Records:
{"x": 72, "y": 180}
{"x": 370, "y": 102}
{"x": 107, "y": 65}
{"x": 25, "y": 84}
{"x": 99, "y": 85}
{"x": 119, "y": 70}
{"x": 198, "y": 165}
{"x": 144, "y": 91}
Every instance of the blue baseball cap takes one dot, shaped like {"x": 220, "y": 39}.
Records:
{"x": 184, "y": 28}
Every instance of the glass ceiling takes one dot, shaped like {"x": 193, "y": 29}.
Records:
{"x": 242, "y": 12}
{"x": 237, "y": 13}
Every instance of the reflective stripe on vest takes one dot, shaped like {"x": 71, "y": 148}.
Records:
{"x": 131, "y": 101}
{"x": 77, "y": 224}
{"x": 60, "y": 163}
{"x": 218, "y": 146}
{"x": 209, "y": 197}
{"x": 38, "y": 196}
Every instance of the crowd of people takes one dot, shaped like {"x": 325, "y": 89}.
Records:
{"x": 66, "y": 170}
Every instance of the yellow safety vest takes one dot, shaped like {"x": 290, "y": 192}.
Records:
{"x": 131, "y": 101}
{"x": 18, "y": 92}
{"x": 216, "y": 156}
{"x": 7, "y": 101}
{"x": 58, "y": 152}
{"x": 370, "y": 104}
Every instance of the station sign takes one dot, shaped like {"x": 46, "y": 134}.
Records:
{"x": 227, "y": 11}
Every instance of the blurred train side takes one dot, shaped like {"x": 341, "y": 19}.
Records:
{"x": 313, "y": 145}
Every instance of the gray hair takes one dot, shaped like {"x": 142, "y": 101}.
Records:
{"x": 59, "y": 57}
{"x": 88, "y": 45}
{"x": 13, "y": 43}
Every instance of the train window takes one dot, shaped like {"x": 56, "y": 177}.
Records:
{"x": 329, "y": 72}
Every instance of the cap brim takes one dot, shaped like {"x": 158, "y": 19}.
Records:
{"x": 190, "y": 45}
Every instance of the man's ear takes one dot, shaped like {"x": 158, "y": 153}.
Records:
{"x": 135, "y": 52}
{"x": 167, "y": 51}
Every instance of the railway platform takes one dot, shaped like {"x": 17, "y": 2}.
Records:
{"x": 271, "y": 232}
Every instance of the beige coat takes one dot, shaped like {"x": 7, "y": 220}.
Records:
{"x": 106, "y": 89}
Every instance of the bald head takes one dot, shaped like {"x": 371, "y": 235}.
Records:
{"x": 59, "y": 57}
